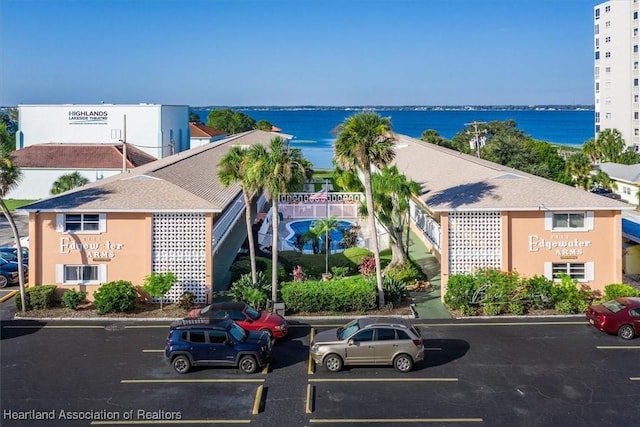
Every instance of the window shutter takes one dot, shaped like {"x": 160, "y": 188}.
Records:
{"x": 588, "y": 220}
{"x": 548, "y": 221}
{"x": 588, "y": 271}
{"x": 60, "y": 223}
{"x": 548, "y": 270}
{"x": 103, "y": 223}
{"x": 102, "y": 273}
{"x": 59, "y": 273}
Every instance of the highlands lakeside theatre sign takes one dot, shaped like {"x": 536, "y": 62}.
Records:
{"x": 561, "y": 246}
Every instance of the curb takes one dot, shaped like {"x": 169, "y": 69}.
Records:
{"x": 8, "y": 296}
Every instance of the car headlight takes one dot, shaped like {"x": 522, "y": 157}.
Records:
{"x": 315, "y": 347}
{"x": 279, "y": 327}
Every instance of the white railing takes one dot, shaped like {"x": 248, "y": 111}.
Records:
{"x": 225, "y": 223}
{"x": 316, "y": 205}
{"x": 429, "y": 226}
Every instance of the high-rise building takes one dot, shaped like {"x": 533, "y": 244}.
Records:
{"x": 616, "y": 73}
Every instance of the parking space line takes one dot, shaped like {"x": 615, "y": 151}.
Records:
{"x": 196, "y": 380}
{"x": 145, "y": 326}
{"x": 618, "y": 347}
{"x": 53, "y": 327}
{"x": 433, "y": 348}
{"x": 634, "y": 378}
{"x": 166, "y": 422}
{"x": 394, "y": 420}
{"x": 366, "y": 380}
{"x": 153, "y": 351}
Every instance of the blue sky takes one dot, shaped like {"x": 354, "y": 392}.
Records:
{"x": 299, "y": 52}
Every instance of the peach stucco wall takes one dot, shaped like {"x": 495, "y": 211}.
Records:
{"x": 522, "y": 252}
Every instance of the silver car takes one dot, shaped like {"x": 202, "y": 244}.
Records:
{"x": 369, "y": 341}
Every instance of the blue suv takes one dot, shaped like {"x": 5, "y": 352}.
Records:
{"x": 218, "y": 342}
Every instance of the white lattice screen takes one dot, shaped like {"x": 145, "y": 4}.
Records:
{"x": 179, "y": 246}
{"x": 474, "y": 241}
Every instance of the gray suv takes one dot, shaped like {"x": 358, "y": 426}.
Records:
{"x": 369, "y": 341}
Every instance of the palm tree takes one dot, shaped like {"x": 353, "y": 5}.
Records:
{"x": 366, "y": 140}
{"x": 591, "y": 150}
{"x": 233, "y": 169}
{"x": 10, "y": 176}
{"x": 610, "y": 145}
{"x": 68, "y": 182}
{"x": 279, "y": 170}
{"x": 579, "y": 169}
{"x": 392, "y": 192}
{"x": 325, "y": 226}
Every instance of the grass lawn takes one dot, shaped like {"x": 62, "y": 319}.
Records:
{"x": 13, "y": 204}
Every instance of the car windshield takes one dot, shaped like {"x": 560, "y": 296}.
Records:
{"x": 348, "y": 330}
{"x": 237, "y": 332}
{"x": 252, "y": 313}
{"x": 614, "y": 306}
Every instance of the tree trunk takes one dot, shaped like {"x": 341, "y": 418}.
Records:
{"x": 252, "y": 246}
{"x": 374, "y": 233}
{"x": 275, "y": 219}
{"x": 398, "y": 255}
{"x": 16, "y": 237}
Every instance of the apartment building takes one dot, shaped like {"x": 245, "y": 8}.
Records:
{"x": 616, "y": 72}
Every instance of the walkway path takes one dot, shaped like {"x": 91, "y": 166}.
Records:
{"x": 428, "y": 304}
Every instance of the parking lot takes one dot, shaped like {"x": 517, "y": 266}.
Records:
{"x": 526, "y": 373}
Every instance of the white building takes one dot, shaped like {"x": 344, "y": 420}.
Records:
{"x": 158, "y": 130}
{"x": 617, "y": 73}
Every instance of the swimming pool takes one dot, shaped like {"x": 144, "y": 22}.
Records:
{"x": 299, "y": 228}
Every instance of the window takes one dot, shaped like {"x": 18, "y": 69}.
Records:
{"x": 196, "y": 336}
{"x": 607, "y": 54}
{"x": 217, "y": 337}
{"x": 626, "y": 190}
{"x": 635, "y": 48}
{"x": 607, "y": 69}
{"x": 362, "y": 336}
{"x": 636, "y": 132}
{"x": 597, "y": 43}
{"x": 597, "y": 14}
{"x": 575, "y": 271}
{"x": 87, "y": 274}
{"x": 596, "y": 29}
{"x": 635, "y": 15}
{"x": 597, "y": 73}
{"x": 81, "y": 223}
{"x": 597, "y": 116}
{"x": 597, "y": 55}
{"x": 607, "y": 116}
{"x": 607, "y": 8}
{"x": 568, "y": 221}
{"x": 635, "y": 98}
{"x": 607, "y": 39}
{"x": 607, "y": 24}
{"x": 385, "y": 334}
{"x": 635, "y": 32}
{"x": 635, "y": 115}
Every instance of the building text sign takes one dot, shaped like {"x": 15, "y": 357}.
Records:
{"x": 91, "y": 247}
{"x": 77, "y": 117}
{"x": 560, "y": 245}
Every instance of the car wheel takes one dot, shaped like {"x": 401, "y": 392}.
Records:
{"x": 3, "y": 281}
{"x": 268, "y": 332}
{"x": 181, "y": 364}
{"x": 403, "y": 363}
{"x": 333, "y": 363}
{"x": 248, "y": 364}
{"x": 626, "y": 332}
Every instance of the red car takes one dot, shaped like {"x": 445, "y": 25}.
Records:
{"x": 246, "y": 316}
{"x": 619, "y": 316}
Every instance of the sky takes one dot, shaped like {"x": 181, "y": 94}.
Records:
{"x": 298, "y": 52}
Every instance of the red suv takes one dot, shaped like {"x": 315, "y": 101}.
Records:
{"x": 246, "y": 316}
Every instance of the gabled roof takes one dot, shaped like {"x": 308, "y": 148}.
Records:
{"x": 619, "y": 172}
{"x": 79, "y": 156}
{"x": 198, "y": 130}
{"x": 186, "y": 181}
{"x": 452, "y": 181}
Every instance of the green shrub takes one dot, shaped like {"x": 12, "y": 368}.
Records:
{"x": 538, "y": 292}
{"x": 117, "y": 296}
{"x": 499, "y": 288}
{"x": 187, "y": 301}
{"x": 243, "y": 290}
{"x": 158, "y": 284}
{"x": 72, "y": 298}
{"x": 406, "y": 273}
{"x": 367, "y": 266}
{"x": 492, "y": 308}
{"x": 568, "y": 298}
{"x": 516, "y": 307}
{"x": 617, "y": 290}
{"x": 38, "y": 297}
{"x": 340, "y": 295}
{"x": 468, "y": 310}
{"x": 339, "y": 272}
{"x": 355, "y": 255}
{"x": 460, "y": 290}
{"x": 395, "y": 290}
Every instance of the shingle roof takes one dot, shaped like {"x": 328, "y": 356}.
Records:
{"x": 199, "y": 130}
{"x": 186, "y": 181}
{"x": 79, "y": 156}
{"x": 452, "y": 181}
{"x": 617, "y": 171}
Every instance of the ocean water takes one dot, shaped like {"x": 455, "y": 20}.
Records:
{"x": 314, "y": 129}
